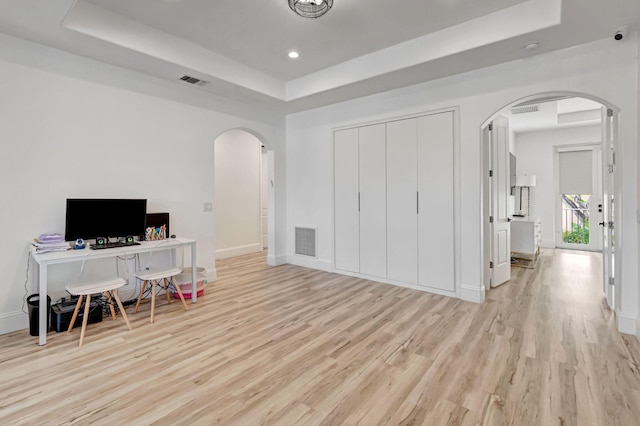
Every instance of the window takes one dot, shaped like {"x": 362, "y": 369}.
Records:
{"x": 575, "y": 218}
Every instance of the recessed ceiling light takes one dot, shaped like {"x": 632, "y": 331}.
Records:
{"x": 293, "y": 54}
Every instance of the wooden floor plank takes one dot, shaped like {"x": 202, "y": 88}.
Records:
{"x": 289, "y": 345}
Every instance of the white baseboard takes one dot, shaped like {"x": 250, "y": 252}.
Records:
{"x": 547, "y": 244}
{"x": 13, "y": 321}
{"x": 277, "y": 260}
{"x": 311, "y": 262}
{"x": 627, "y": 324}
{"x": 472, "y": 294}
{"x": 431, "y": 290}
{"x": 238, "y": 251}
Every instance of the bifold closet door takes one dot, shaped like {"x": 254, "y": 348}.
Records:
{"x": 402, "y": 222}
{"x": 436, "y": 209}
{"x": 373, "y": 201}
{"x": 346, "y": 239}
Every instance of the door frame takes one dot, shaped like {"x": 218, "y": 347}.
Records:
{"x": 265, "y": 148}
{"x": 484, "y": 222}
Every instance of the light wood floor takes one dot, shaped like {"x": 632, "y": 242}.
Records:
{"x": 287, "y": 345}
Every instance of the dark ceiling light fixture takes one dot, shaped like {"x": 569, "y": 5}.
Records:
{"x": 310, "y": 8}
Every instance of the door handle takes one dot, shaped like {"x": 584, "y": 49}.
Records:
{"x": 509, "y": 219}
{"x": 601, "y": 223}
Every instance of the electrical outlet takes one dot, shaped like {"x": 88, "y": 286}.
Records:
{"x": 208, "y": 207}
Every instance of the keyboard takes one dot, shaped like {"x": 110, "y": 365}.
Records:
{"x": 114, "y": 245}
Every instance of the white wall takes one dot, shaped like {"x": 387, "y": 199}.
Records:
{"x": 65, "y": 113}
{"x": 64, "y": 136}
{"x": 237, "y": 198}
{"x": 535, "y": 156}
{"x": 604, "y": 69}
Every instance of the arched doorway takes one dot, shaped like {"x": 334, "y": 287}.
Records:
{"x": 600, "y": 142}
{"x": 243, "y": 194}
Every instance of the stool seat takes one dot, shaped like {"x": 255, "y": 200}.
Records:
{"x": 158, "y": 274}
{"x": 153, "y": 278}
{"x": 98, "y": 286}
{"x": 86, "y": 289}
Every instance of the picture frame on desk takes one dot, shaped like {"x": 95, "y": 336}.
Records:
{"x": 157, "y": 227}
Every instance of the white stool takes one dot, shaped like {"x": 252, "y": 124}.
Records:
{"x": 107, "y": 286}
{"x": 155, "y": 277}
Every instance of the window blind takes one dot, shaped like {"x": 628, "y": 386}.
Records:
{"x": 576, "y": 172}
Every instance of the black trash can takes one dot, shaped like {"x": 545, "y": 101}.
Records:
{"x": 33, "y": 302}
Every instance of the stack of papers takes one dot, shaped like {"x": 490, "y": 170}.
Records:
{"x": 50, "y": 242}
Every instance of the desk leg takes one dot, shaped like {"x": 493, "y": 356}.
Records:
{"x": 42, "y": 320}
{"x": 194, "y": 283}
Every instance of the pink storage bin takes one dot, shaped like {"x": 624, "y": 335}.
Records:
{"x": 184, "y": 281}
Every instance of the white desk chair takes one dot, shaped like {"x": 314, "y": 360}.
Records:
{"x": 154, "y": 277}
{"x": 108, "y": 286}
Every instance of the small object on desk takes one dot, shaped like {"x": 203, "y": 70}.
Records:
{"x": 79, "y": 245}
{"x": 50, "y": 238}
{"x": 48, "y": 246}
{"x": 156, "y": 233}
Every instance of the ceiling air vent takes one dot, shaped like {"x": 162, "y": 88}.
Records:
{"x": 193, "y": 80}
{"x": 524, "y": 109}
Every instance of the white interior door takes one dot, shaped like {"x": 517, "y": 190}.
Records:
{"x": 500, "y": 191}
{"x": 346, "y": 227}
{"x": 609, "y": 140}
{"x": 373, "y": 200}
{"x": 402, "y": 194}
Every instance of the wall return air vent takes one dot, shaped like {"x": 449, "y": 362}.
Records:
{"x": 193, "y": 80}
{"x": 306, "y": 241}
{"x": 524, "y": 109}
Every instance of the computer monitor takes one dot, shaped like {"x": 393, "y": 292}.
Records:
{"x": 111, "y": 218}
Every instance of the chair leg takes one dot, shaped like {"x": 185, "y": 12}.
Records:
{"x": 124, "y": 314}
{"x": 153, "y": 299}
{"x": 75, "y": 314}
{"x": 110, "y": 300}
{"x": 142, "y": 289}
{"x": 85, "y": 319}
{"x": 177, "y": 286}
{"x": 166, "y": 290}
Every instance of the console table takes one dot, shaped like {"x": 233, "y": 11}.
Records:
{"x": 52, "y": 258}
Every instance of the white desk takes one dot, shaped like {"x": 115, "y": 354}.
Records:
{"x": 45, "y": 259}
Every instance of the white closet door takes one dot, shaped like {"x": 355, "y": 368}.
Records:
{"x": 373, "y": 201}
{"x": 402, "y": 223}
{"x": 345, "y": 148}
{"x": 435, "y": 187}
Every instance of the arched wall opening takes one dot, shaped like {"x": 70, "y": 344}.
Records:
{"x": 243, "y": 204}
{"x": 602, "y": 139}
